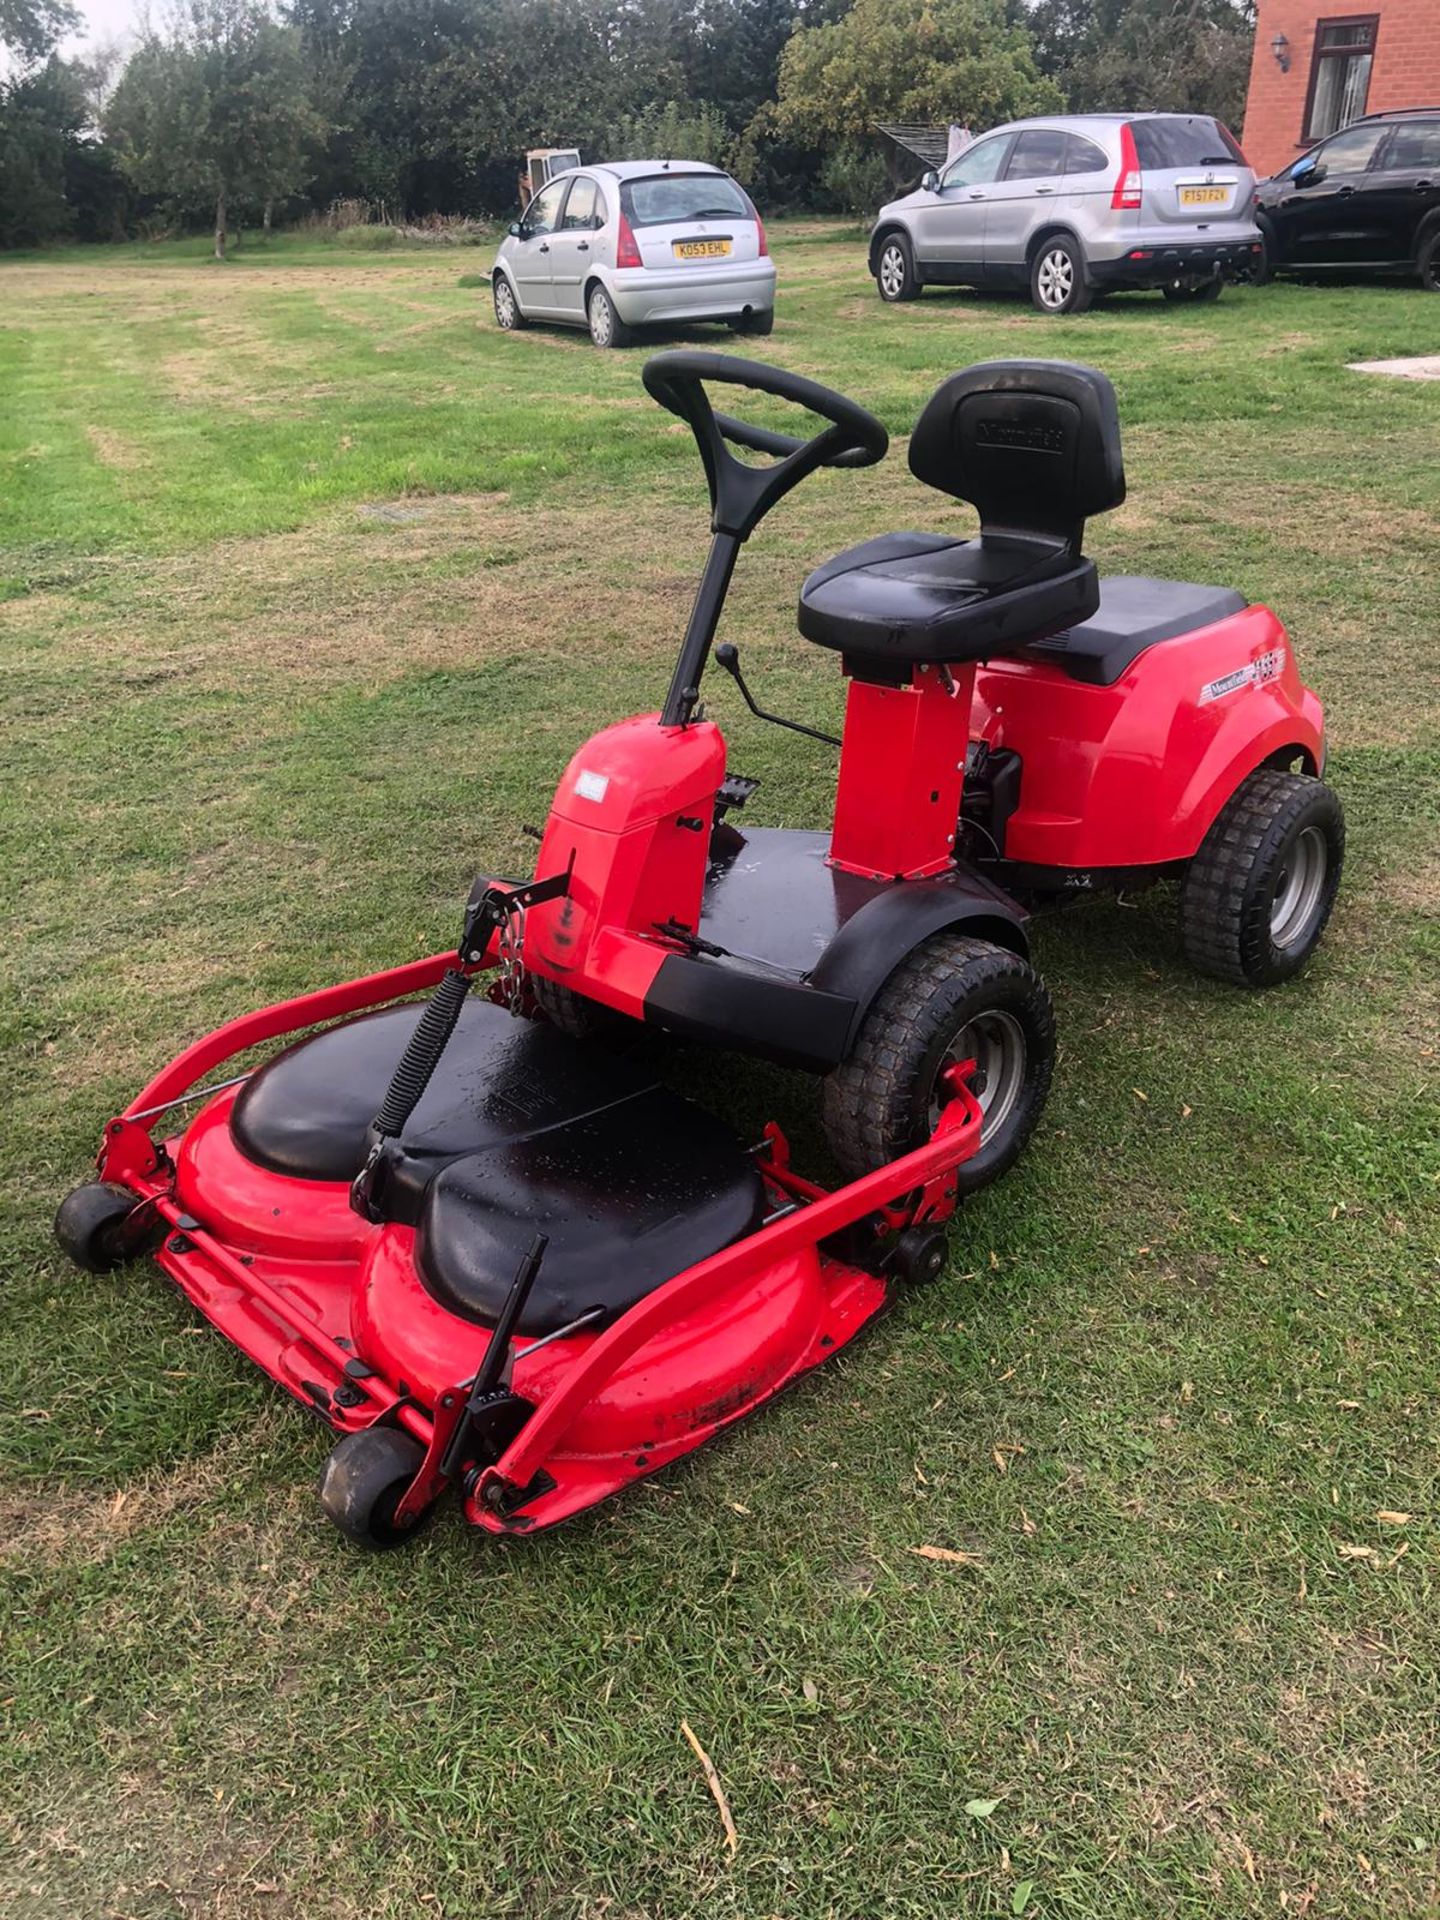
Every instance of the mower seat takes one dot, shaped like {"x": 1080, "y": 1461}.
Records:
{"x": 1034, "y": 446}
{"x": 910, "y": 597}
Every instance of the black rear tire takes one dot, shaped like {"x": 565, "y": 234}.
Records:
{"x": 1256, "y": 898}
{"x": 99, "y": 1228}
{"x": 363, "y": 1482}
{"x": 758, "y": 325}
{"x": 1263, "y": 271}
{"x": 607, "y": 329}
{"x": 895, "y": 275}
{"x": 952, "y": 996}
{"x": 1428, "y": 261}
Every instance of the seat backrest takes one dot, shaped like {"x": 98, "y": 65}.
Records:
{"x": 1033, "y": 445}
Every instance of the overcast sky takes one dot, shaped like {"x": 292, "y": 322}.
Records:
{"x": 104, "y": 20}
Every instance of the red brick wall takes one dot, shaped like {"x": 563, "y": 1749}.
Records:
{"x": 1406, "y": 72}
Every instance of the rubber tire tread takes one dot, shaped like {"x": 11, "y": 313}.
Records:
{"x": 1224, "y": 900}
{"x": 868, "y": 1102}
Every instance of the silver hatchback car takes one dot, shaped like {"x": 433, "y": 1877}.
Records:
{"x": 1075, "y": 206}
{"x": 636, "y": 243}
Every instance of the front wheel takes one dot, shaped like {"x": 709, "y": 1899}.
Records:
{"x": 508, "y": 316}
{"x": 1428, "y": 261}
{"x": 895, "y": 275}
{"x": 1256, "y": 897}
{"x": 1057, "y": 277}
{"x": 607, "y": 329}
{"x": 954, "y": 998}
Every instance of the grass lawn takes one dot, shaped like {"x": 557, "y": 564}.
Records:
{"x": 310, "y": 581}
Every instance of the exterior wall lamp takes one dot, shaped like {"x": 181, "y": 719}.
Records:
{"x": 1280, "y": 47}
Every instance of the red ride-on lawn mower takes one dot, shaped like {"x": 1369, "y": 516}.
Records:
{"x": 494, "y": 1253}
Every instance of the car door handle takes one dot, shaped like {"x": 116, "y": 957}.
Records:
{"x": 544, "y": 246}
{"x": 1343, "y": 193}
{"x": 1423, "y": 186}
{"x": 1044, "y": 189}
{"x": 582, "y": 246}
{"x": 977, "y": 196}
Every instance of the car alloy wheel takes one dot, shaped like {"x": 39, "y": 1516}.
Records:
{"x": 506, "y": 310}
{"x": 892, "y": 271}
{"x": 1055, "y": 281}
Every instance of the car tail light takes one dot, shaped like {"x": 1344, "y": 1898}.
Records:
{"x": 1131, "y": 181}
{"x": 762, "y": 242}
{"x": 627, "y": 254}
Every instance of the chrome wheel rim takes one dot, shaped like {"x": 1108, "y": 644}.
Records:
{"x": 892, "y": 272}
{"x": 1056, "y": 279}
{"x": 1299, "y": 889}
{"x": 600, "y": 320}
{"x": 504, "y": 303}
{"x": 995, "y": 1041}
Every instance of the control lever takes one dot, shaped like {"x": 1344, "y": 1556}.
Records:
{"x": 727, "y": 656}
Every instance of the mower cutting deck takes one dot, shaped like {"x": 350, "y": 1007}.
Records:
{"x": 574, "y": 1276}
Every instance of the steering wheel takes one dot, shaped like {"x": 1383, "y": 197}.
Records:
{"x": 741, "y": 495}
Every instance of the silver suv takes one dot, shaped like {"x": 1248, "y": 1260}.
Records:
{"x": 1075, "y": 206}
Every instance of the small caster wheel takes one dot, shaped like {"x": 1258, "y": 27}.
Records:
{"x": 920, "y": 1256}
{"x": 99, "y": 1228}
{"x": 363, "y": 1483}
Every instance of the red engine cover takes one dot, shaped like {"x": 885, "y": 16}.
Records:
{"x": 1134, "y": 774}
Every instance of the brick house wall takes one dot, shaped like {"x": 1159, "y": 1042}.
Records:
{"x": 1405, "y": 71}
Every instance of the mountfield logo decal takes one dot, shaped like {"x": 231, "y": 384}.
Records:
{"x": 1031, "y": 436}
{"x": 1253, "y": 674}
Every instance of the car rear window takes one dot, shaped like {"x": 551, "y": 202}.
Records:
{"x": 1191, "y": 140}
{"x": 666, "y": 197}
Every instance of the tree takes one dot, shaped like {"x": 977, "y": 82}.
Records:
{"x": 1182, "y": 56}
{"x": 217, "y": 111}
{"x": 56, "y": 179}
{"x": 925, "y": 60}
{"x": 30, "y": 28}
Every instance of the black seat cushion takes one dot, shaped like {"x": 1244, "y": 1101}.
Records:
{"x": 629, "y": 1198}
{"x": 1135, "y": 612}
{"x": 910, "y": 597}
{"x": 307, "y": 1113}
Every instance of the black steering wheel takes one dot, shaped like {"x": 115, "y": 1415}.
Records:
{"x": 740, "y": 495}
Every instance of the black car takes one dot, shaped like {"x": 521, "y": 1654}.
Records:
{"x": 1366, "y": 198}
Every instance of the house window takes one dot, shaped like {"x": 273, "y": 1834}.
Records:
{"x": 1339, "y": 74}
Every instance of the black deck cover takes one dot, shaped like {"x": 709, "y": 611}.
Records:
{"x": 629, "y": 1198}
{"x": 521, "y": 1129}
{"x": 1136, "y": 612}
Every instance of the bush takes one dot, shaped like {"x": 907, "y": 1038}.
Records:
{"x": 671, "y": 132}
{"x": 853, "y": 179}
